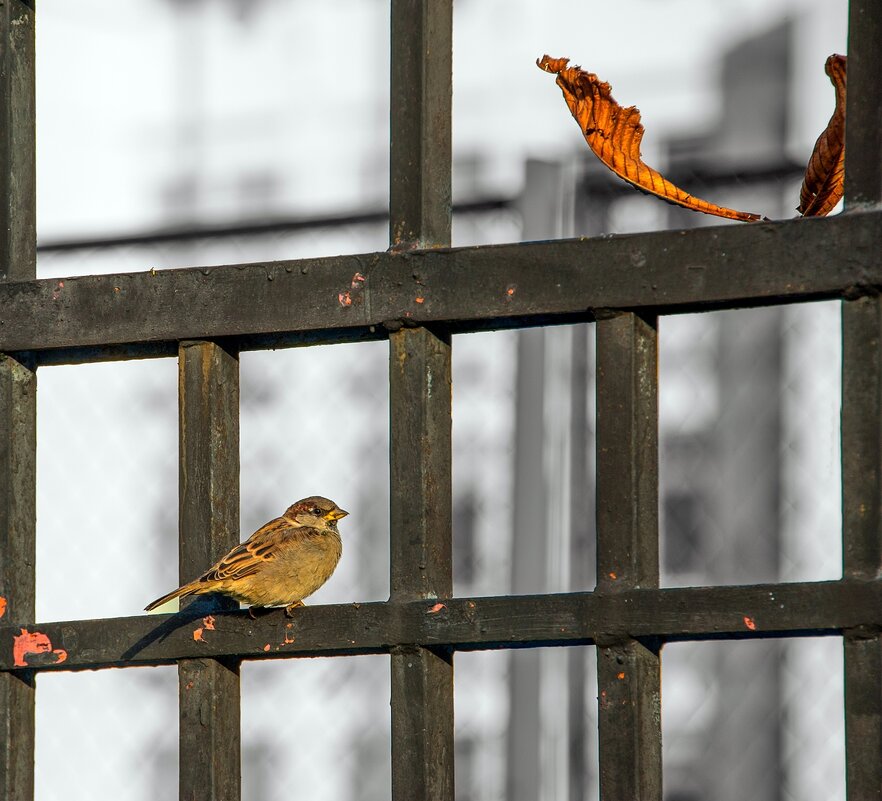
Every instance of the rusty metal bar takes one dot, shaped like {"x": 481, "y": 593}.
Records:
{"x": 209, "y": 525}
{"x": 686, "y": 614}
{"x": 862, "y": 409}
{"x": 131, "y": 315}
{"x": 18, "y": 393}
{"x": 419, "y": 395}
{"x": 628, "y": 669}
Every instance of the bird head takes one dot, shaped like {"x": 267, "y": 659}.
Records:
{"x": 316, "y": 512}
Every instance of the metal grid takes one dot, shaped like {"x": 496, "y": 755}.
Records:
{"x": 417, "y": 295}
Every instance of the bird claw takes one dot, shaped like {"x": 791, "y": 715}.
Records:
{"x": 289, "y": 609}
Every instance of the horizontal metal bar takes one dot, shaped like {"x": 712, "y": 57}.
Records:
{"x": 806, "y": 609}
{"x": 345, "y": 298}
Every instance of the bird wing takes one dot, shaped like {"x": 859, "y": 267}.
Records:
{"x": 247, "y": 558}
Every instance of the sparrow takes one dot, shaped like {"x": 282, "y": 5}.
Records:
{"x": 280, "y": 564}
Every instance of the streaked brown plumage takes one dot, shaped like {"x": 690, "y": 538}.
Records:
{"x": 280, "y": 564}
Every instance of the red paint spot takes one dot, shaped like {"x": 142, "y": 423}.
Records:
{"x": 2, "y": 606}
{"x": 436, "y": 608}
{"x": 289, "y": 636}
{"x": 510, "y": 290}
{"x": 357, "y": 281}
{"x": 267, "y": 647}
{"x": 197, "y": 635}
{"x": 621, "y": 676}
{"x": 613, "y": 576}
{"x": 34, "y": 643}
{"x": 420, "y": 299}
{"x": 208, "y": 622}
{"x": 344, "y": 299}
{"x": 750, "y": 623}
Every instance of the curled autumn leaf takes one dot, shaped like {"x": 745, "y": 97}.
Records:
{"x": 614, "y": 134}
{"x": 825, "y": 174}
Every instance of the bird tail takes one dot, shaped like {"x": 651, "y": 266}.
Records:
{"x": 180, "y": 592}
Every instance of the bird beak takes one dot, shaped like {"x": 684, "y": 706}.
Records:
{"x": 336, "y": 514}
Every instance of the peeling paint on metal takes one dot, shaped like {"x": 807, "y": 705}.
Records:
{"x": 2, "y": 606}
{"x": 750, "y": 623}
{"x": 34, "y": 643}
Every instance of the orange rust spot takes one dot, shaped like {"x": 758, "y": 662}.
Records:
{"x": 289, "y": 637}
{"x": 357, "y": 281}
{"x": 116, "y": 289}
{"x": 510, "y": 290}
{"x": 613, "y": 576}
{"x": 621, "y": 676}
{"x": 344, "y": 299}
{"x": 189, "y": 685}
{"x": 750, "y": 623}
{"x": 420, "y": 299}
{"x": 2, "y": 606}
{"x": 197, "y": 635}
{"x": 267, "y": 647}
{"x": 208, "y": 622}
{"x": 34, "y": 643}
{"x": 436, "y": 608}
{"x": 471, "y": 604}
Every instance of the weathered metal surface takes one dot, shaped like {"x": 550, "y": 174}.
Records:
{"x": 18, "y": 238}
{"x": 421, "y": 559}
{"x": 420, "y": 461}
{"x": 862, "y": 537}
{"x": 421, "y": 91}
{"x": 810, "y": 609}
{"x": 18, "y": 387}
{"x": 419, "y": 389}
{"x": 344, "y": 298}
{"x": 863, "y": 134}
{"x": 628, "y": 671}
{"x": 862, "y": 409}
{"x": 18, "y": 443}
{"x": 209, "y": 526}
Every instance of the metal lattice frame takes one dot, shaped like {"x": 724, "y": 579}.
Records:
{"x": 416, "y": 295}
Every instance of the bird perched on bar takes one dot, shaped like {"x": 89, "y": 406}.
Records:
{"x": 280, "y": 564}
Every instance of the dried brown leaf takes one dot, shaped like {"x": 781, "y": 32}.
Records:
{"x": 825, "y": 174}
{"x": 614, "y": 134}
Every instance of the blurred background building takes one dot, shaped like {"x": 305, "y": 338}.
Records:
{"x": 196, "y": 132}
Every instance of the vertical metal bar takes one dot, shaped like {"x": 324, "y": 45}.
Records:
{"x": 862, "y": 409}
{"x": 18, "y": 238}
{"x": 420, "y": 123}
{"x": 209, "y": 525}
{"x": 628, "y": 671}
{"x": 420, "y": 400}
{"x": 863, "y": 134}
{"x": 18, "y": 391}
{"x": 420, "y": 560}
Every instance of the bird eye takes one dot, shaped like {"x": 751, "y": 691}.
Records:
{"x": 316, "y": 511}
